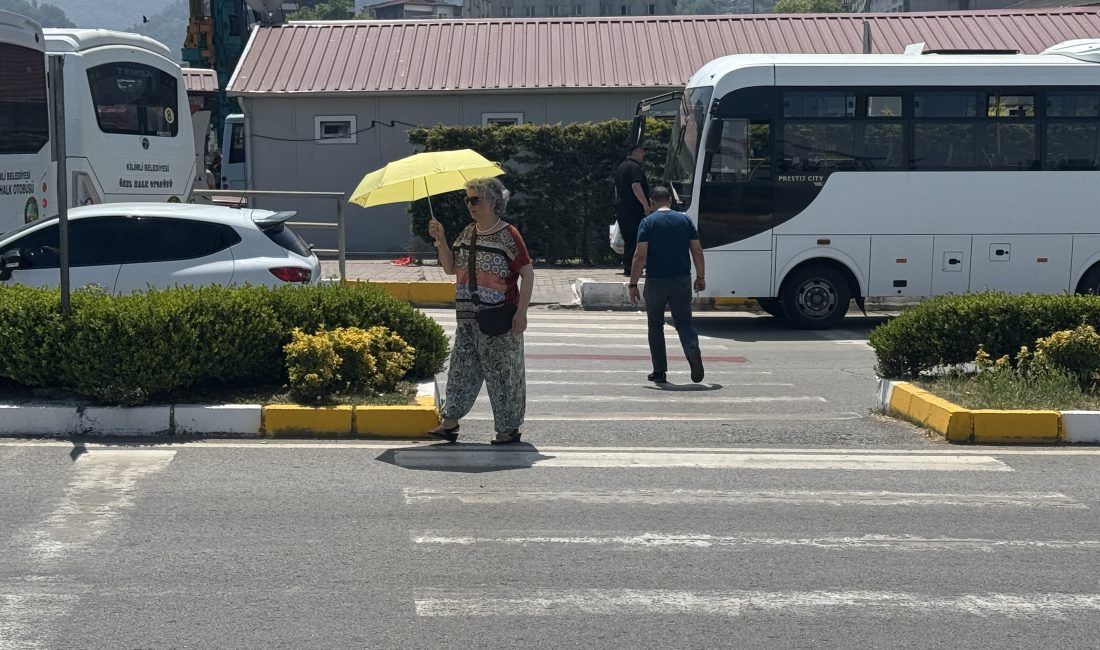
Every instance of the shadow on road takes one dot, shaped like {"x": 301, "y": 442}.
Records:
{"x": 464, "y": 458}
{"x": 683, "y": 388}
{"x": 767, "y": 328}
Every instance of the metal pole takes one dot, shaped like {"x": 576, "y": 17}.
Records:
{"x": 57, "y": 99}
{"x": 341, "y": 238}
{"x": 866, "y": 37}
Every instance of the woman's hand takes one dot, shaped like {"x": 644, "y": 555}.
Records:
{"x": 436, "y": 232}
{"x": 519, "y": 321}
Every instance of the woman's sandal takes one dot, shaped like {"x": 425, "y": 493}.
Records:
{"x": 513, "y": 436}
{"x": 443, "y": 433}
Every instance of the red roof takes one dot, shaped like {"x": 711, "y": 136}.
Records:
{"x": 200, "y": 80}
{"x": 612, "y": 52}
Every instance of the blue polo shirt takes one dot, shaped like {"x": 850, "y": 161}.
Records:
{"x": 669, "y": 234}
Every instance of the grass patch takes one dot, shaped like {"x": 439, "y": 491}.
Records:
{"x": 404, "y": 394}
{"x": 1007, "y": 390}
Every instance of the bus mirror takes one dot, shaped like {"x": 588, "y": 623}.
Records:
{"x": 637, "y": 130}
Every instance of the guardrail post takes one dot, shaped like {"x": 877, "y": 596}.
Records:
{"x": 341, "y": 238}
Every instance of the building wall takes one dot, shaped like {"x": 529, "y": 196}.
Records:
{"x": 284, "y": 156}
{"x": 544, "y": 8}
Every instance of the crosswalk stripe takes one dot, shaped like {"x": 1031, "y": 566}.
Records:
{"x": 748, "y": 497}
{"x": 466, "y": 457}
{"x": 638, "y": 383}
{"x": 715, "y": 398}
{"x": 614, "y": 602}
{"x": 671, "y": 373}
{"x": 701, "y": 541}
{"x": 626, "y": 417}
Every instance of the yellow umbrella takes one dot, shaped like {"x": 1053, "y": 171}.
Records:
{"x": 422, "y": 175}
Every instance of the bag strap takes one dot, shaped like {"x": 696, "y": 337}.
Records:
{"x": 471, "y": 267}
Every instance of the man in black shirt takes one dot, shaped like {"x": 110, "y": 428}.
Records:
{"x": 631, "y": 201}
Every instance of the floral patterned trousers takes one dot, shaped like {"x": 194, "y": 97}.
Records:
{"x": 495, "y": 360}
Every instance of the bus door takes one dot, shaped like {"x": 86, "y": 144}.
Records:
{"x": 736, "y": 201}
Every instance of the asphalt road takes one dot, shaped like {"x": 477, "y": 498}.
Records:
{"x": 635, "y": 518}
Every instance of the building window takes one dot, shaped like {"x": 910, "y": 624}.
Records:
{"x": 552, "y": 10}
{"x": 334, "y": 129}
{"x": 578, "y": 10}
{"x": 501, "y": 119}
{"x": 624, "y": 10}
{"x": 652, "y": 10}
{"x": 529, "y": 11}
{"x": 507, "y": 12}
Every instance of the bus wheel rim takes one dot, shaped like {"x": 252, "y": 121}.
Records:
{"x": 816, "y": 298}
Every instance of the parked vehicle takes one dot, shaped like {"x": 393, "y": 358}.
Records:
{"x": 125, "y": 247}
{"x": 814, "y": 179}
{"x": 234, "y": 175}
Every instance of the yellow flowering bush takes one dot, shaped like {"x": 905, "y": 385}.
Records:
{"x": 1076, "y": 352}
{"x": 346, "y": 359}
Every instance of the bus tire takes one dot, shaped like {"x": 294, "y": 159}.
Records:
{"x": 772, "y": 307}
{"x": 1090, "y": 281}
{"x": 815, "y": 297}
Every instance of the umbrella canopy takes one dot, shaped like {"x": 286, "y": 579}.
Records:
{"x": 422, "y": 175}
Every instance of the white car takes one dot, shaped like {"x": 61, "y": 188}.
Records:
{"x": 123, "y": 247}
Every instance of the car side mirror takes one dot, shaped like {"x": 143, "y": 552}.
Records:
{"x": 9, "y": 262}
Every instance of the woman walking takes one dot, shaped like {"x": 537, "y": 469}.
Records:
{"x": 497, "y": 285}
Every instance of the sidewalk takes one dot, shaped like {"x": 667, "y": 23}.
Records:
{"x": 553, "y": 284}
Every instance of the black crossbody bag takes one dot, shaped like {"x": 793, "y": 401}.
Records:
{"x": 492, "y": 320}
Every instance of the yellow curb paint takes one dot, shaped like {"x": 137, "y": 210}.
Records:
{"x": 396, "y": 421}
{"x": 952, "y": 420}
{"x": 421, "y": 293}
{"x": 1016, "y": 426}
{"x": 901, "y": 397}
{"x": 294, "y": 420}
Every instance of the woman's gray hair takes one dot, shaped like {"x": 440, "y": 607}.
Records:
{"x": 492, "y": 191}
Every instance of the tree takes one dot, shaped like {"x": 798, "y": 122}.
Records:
{"x": 328, "y": 10}
{"x": 705, "y": 7}
{"x": 808, "y": 7}
{"x": 46, "y": 15}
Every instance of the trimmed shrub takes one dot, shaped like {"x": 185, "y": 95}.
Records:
{"x": 131, "y": 349}
{"x": 1075, "y": 352}
{"x": 947, "y": 330}
{"x": 346, "y": 359}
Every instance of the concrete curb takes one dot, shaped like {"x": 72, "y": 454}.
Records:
{"x": 229, "y": 420}
{"x": 905, "y": 401}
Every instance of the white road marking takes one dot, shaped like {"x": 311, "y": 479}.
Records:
{"x": 699, "y": 541}
{"x": 834, "y": 498}
{"x": 99, "y": 491}
{"x": 621, "y": 602}
{"x": 637, "y": 383}
{"x": 368, "y": 445}
{"x": 681, "y": 397}
{"x": 428, "y": 458}
{"x": 631, "y": 416}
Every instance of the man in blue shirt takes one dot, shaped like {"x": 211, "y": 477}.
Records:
{"x": 666, "y": 240}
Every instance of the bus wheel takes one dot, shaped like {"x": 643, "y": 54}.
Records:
{"x": 772, "y": 307}
{"x": 815, "y": 297}
{"x": 1090, "y": 281}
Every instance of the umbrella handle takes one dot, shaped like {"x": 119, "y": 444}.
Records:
{"x": 429, "y": 197}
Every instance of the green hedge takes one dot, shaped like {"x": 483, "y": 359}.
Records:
{"x": 947, "y": 330}
{"x": 135, "y": 348}
{"x": 560, "y": 177}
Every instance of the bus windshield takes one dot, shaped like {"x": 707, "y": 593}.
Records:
{"x": 24, "y": 124}
{"x": 687, "y": 131}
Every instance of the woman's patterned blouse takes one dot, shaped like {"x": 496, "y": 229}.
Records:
{"x": 500, "y": 256}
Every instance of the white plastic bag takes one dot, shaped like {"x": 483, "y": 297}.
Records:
{"x": 617, "y": 243}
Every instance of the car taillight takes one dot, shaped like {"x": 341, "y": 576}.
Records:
{"x": 291, "y": 273}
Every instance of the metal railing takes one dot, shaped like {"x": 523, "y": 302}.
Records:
{"x": 341, "y": 231}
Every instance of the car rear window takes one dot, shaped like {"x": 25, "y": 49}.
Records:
{"x": 282, "y": 235}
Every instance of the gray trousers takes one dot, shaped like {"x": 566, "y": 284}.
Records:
{"x": 496, "y": 361}
{"x": 676, "y": 293}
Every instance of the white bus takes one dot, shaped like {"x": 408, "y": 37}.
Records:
{"x": 234, "y": 175}
{"x": 815, "y": 179}
{"x": 128, "y": 133}
{"x": 24, "y": 123}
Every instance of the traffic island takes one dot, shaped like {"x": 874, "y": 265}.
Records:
{"x": 421, "y": 294}
{"x": 407, "y": 422}
{"x": 989, "y": 426}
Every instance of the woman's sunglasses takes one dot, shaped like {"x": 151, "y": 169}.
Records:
{"x": 472, "y": 200}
